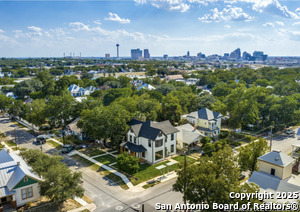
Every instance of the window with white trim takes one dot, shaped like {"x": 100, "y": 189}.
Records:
{"x": 27, "y": 193}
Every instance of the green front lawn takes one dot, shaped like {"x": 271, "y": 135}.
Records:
{"x": 54, "y": 144}
{"x": 92, "y": 151}
{"x": 106, "y": 159}
{"x": 148, "y": 172}
{"x": 180, "y": 159}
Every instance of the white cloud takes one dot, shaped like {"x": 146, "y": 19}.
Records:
{"x": 280, "y": 23}
{"x": 273, "y": 7}
{"x": 227, "y": 14}
{"x": 297, "y": 10}
{"x": 115, "y": 17}
{"x": 1, "y": 31}
{"x": 269, "y": 24}
{"x": 35, "y": 30}
{"x": 227, "y": 26}
{"x": 98, "y": 22}
{"x": 180, "y": 5}
{"x": 296, "y": 23}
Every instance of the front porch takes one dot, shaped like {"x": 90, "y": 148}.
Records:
{"x": 8, "y": 203}
{"x": 133, "y": 150}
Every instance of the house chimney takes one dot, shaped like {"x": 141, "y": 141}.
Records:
{"x": 7, "y": 150}
{"x": 147, "y": 123}
{"x": 18, "y": 163}
{"x": 195, "y": 127}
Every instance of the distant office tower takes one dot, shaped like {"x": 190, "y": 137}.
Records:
{"x": 146, "y": 54}
{"x": 226, "y": 55}
{"x": 246, "y": 56}
{"x": 165, "y": 57}
{"x": 107, "y": 56}
{"x": 200, "y": 55}
{"x": 236, "y": 54}
{"x": 117, "y": 50}
{"x": 188, "y": 54}
{"x": 136, "y": 53}
{"x": 260, "y": 56}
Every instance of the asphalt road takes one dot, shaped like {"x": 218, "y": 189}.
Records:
{"x": 284, "y": 143}
{"x": 106, "y": 196}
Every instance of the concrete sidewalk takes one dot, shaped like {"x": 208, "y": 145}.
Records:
{"x": 124, "y": 178}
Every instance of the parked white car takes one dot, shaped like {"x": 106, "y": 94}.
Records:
{"x": 289, "y": 131}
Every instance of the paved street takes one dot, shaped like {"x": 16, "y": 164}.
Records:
{"x": 107, "y": 197}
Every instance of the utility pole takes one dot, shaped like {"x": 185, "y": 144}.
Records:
{"x": 271, "y": 139}
{"x": 16, "y": 137}
{"x": 31, "y": 120}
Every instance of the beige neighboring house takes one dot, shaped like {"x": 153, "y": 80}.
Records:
{"x": 73, "y": 130}
{"x": 207, "y": 122}
{"x": 275, "y": 172}
{"x": 187, "y": 135}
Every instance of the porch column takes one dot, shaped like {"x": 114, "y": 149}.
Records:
{"x": 14, "y": 202}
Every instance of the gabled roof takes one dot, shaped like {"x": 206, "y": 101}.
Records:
{"x": 73, "y": 126}
{"x": 187, "y": 134}
{"x": 146, "y": 86}
{"x": 267, "y": 181}
{"x": 12, "y": 170}
{"x": 206, "y": 114}
{"x": 150, "y": 130}
{"x": 277, "y": 158}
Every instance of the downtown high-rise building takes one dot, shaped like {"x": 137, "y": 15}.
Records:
{"x": 146, "y": 54}
{"x": 236, "y": 54}
{"x": 136, "y": 53}
{"x": 107, "y": 56}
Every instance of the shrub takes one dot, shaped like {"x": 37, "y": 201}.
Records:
{"x": 128, "y": 163}
{"x": 224, "y": 134}
{"x": 205, "y": 140}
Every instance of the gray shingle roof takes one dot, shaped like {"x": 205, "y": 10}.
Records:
{"x": 187, "y": 134}
{"x": 150, "y": 130}
{"x": 206, "y": 114}
{"x": 277, "y": 158}
{"x": 267, "y": 181}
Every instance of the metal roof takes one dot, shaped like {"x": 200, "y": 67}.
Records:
{"x": 12, "y": 170}
{"x": 267, "y": 181}
{"x": 187, "y": 134}
{"x": 277, "y": 158}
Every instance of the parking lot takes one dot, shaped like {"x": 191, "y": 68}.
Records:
{"x": 284, "y": 143}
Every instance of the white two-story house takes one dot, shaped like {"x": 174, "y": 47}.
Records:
{"x": 150, "y": 141}
{"x": 207, "y": 122}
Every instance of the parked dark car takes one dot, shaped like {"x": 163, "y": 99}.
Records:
{"x": 67, "y": 148}
{"x": 82, "y": 146}
{"x": 40, "y": 139}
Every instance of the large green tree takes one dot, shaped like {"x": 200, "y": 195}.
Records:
{"x": 211, "y": 179}
{"x": 248, "y": 154}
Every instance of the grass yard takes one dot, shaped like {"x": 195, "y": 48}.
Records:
{"x": 180, "y": 159}
{"x": 1, "y": 146}
{"x": 10, "y": 143}
{"x": 148, "y": 172}
{"x": 54, "y": 144}
{"x": 118, "y": 180}
{"x": 106, "y": 159}
{"x": 92, "y": 151}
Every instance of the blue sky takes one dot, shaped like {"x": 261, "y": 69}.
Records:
{"x": 50, "y": 28}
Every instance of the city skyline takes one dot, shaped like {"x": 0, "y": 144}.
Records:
{"x": 52, "y": 28}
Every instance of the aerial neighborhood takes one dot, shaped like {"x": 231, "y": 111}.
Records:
{"x": 70, "y": 135}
